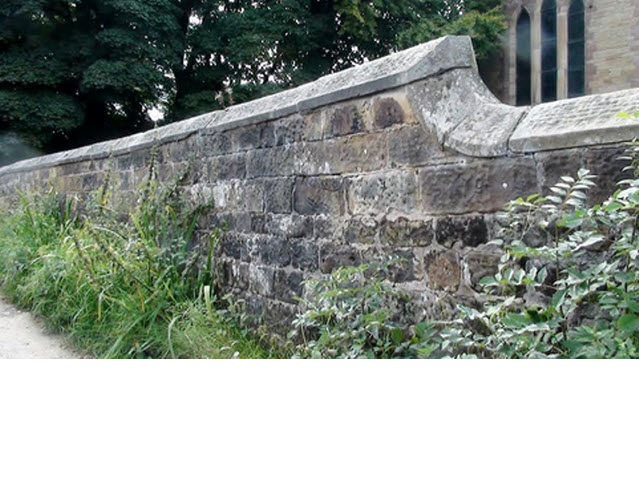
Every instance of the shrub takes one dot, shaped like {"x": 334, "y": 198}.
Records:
{"x": 567, "y": 285}
{"x": 355, "y": 313}
{"x": 121, "y": 285}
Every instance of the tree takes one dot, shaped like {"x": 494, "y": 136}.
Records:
{"x": 76, "y": 72}
{"x": 73, "y": 72}
{"x": 243, "y": 49}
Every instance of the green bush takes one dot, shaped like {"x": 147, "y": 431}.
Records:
{"x": 120, "y": 285}
{"x": 567, "y": 284}
{"x": 355, "y": 313}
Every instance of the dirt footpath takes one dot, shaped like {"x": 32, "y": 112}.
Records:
{"x": 23, "y": 336}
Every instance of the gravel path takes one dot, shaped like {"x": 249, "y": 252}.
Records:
{"x": 23, "y": 336}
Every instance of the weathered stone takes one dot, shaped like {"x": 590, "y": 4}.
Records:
{"x": 261, "y": 280}
{"x": 304, "y": 255}
{"x": 481, "y": 264}
{"x": 401, "y": 264}
{"x": 344, "y": 155}
{"x": 274, "y": 162}
{"x": 387, "y": 112}
{"x": 443, "y": 270}
{"x": 345, "y": 120}
{"x": 278, "y": 195}
{"x": 333, "y": 256}
{"x": 481, "y": 186}
{"x": 234, "y": 246}
{"x": 590, "y": 120}
{"x": 402, "y": 232}
{"x": 554, "y": 165}
{"x": 289, "y": 226}
{"x": 226, "y": 167}
{"x": 361, "y": 230}
{"x": 236, "y": 274}
{"x": 248, "y": 196}
{"x": 217, "y": 144}
{"x": 327, "y": 227}
{"x": 274, "y": 251}
{"x": 395, "y": 191}
{"x": 289, "y": 130}
{"x": 91, "y": 181}
{"x": 319, "y": 195}
{"x": 412, "y": 145}
{"x": 609, "y": 169}
{"x": 288, "y": 285}
{"x": 470, "y": 231}
{"x": 536, "y": 237}
{"x": 248, "y": 138}
{"x": 486, "y": 131}
{"x": 258, "y": 223}
{"x": 314, "y": 126}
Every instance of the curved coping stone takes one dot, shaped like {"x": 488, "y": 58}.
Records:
{"x": 577, "y": 122}
{"x": 386, "y": 73}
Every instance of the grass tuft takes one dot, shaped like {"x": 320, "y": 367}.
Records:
{"x": 121, "y": 285}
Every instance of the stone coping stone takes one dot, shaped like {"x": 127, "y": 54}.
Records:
{"x": 386, "y": 73}
{"x": 463, "y": 114}
{"x": 578, "y": 122}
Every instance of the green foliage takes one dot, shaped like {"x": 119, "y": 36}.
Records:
{"x": 121, "y": 287}
{"x": 260, "y": 46}
{"x": 355, "y": 313}
{"x": 75, "y": 72}
{"x": 568, "y": 284}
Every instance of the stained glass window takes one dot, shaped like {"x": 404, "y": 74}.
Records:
{"x": 524, "y": 91}
{"x": 576, "y": 49}
{"x": 549, "y": 51}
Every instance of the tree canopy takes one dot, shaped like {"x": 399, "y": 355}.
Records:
{"x": 73, "y": 72}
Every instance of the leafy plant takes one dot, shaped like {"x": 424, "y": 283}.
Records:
{"x": 122, "y": 286}
{"x": 568, "y": 284}
{"x": 355, "y": 313}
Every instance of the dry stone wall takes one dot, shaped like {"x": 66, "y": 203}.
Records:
{"x": 408, "y": 157}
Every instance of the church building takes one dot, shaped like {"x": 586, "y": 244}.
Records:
{"x": 557, "y": 49}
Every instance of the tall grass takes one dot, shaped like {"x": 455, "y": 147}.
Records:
{"x": 120, "y": 285}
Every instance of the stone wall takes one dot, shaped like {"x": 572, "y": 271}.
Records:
{"x": 408, "y": 157}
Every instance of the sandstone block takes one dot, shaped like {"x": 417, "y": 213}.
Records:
{"x": 412, "y": 145}
{"x": 392, "y": 191}
{"x": 288, "y": 285}
{"x": 304, "y": 255}
{"x": 469, "y": 231}
{"x": 345, "y": 120}
{"x": 227, "y": 167}
{"x": 278, "y": 195}
{"x": 478, "y": 186}
{"x": 319, "y": 195}
{"x": 443, "y": 270}
{"x": 261, "y": 280}
{"x": 402, "y": 232}
{"x": 481, "y": 264}
{"x": 334, "y": 256}
{"x": 361, "y": 230}
{"x": 289, "y": 226}
{"x": 273, "y": 251}
{"x": 387, "y": 112}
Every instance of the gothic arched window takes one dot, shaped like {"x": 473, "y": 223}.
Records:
{"x": 549, "y": 51}
{"x": 524, "y": 91}
{"x": 577, "y": 49}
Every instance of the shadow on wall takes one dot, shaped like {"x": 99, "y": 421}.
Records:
{"x": 13, "y": 149}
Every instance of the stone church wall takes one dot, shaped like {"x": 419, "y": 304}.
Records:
{"x": 408, "y": 157}
{"x": 611, "y": 43}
